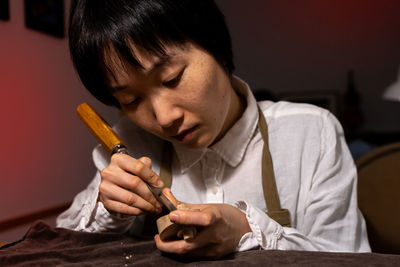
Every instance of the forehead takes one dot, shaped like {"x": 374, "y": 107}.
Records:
{"x": 117, "y": 65}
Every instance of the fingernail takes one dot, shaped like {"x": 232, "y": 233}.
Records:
{"x": 160, "y": 183}
{"x": 173, "y": 217}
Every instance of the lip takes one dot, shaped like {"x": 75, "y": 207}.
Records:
{"x": 185, "y": 135}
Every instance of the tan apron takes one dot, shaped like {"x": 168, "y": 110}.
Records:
{"x": 282, "y": 216}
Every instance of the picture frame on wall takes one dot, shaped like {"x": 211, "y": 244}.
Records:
{"x": 46, "y": 16}
{"x": 4, "y": 10}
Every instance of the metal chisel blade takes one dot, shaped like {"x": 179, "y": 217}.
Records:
{"x": 157, "y": 192}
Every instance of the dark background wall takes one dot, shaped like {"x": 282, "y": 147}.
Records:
{"x": 284, "y": 46}
{"x": 45, "y": 149}
{"x": 308, "y": 45}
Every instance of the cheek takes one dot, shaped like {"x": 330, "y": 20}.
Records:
{"x": 218, "y": 98}
{"x": 202, "y": 90}
{"x": 207, "y": 96}
{"x": 142, "y": 118}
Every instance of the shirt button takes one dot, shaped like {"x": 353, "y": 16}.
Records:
{"x": 214, "y": 190}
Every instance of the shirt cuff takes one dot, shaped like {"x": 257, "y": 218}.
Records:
{"x": 265, "y": 232}
{"x": 103, "y": 220}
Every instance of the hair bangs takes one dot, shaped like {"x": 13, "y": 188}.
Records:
{"x": 152, "y": 30}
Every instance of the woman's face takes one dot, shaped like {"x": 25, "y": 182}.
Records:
{"x": 185, "y": 97}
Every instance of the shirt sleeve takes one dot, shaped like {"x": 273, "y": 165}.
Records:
{"x": 331, "y": 220}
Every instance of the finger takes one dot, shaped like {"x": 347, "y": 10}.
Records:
{"x": 167, "y": 192}
{"x": 146, "y": 161}
{"x": 213, "y": 244}
{"x": 206, "y": 217}
{"x": 195, "y": 207}
{"x": 205, "y": 245}
{"x": 179, "y": 247}
{"x": 120, "y": 207}
{"x": 200, "y": 247}
{"x": 138, "y": 168}
{"x": 210, "y": 252}
{"x": 129, "y": 181}
{"x": 116, "y": 193}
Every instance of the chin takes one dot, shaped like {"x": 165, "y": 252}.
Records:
{"x": 197, "y": 144}
{"x": 201, "y": 144}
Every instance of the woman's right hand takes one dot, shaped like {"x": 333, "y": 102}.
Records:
{"x": 122, "y": 189}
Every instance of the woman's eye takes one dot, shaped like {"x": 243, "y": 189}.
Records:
{"x": 133, "y": 102}
{"x": 174, "y": 82}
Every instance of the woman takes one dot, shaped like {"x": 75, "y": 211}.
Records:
{"x": 168, "y": 65}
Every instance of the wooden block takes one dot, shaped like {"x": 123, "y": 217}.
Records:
{"x": 170, "y": 231}
{"x": 187, "y": 233}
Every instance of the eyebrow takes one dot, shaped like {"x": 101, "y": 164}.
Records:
{"x": 161, "y": 61}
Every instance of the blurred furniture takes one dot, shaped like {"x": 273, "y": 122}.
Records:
{"x": 379, "y": 198}
{"x": 392, "y": 93}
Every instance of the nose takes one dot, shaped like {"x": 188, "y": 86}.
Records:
{"x": 166, "y": 112}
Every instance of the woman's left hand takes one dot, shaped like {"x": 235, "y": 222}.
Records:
{"x": 220, "y": 228}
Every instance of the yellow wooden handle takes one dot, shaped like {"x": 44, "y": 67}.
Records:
{"x": 98, "y": 127}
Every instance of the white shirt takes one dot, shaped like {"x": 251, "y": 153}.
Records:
{"x": 314, "y": 171}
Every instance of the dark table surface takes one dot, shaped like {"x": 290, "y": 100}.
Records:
{"x": 47, "y": 246}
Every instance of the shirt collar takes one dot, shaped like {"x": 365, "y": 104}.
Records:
{"x": 231, "y": 148}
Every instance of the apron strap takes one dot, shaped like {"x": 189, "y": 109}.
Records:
{"x": 166, "y": 165}
{"x": 282, "y": 216}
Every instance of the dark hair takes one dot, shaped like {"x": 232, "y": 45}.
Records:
{"x": 98, "y": 25}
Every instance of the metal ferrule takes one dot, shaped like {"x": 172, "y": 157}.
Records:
{"x": 120, "y": 148}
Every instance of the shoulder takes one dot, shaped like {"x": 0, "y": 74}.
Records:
{"x": 298, "y": 113}
{"x": 139, "y": 143}
{"x": 299, "y": 120}
{"x": 287, "y": 109}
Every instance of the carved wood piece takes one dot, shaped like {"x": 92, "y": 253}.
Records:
{"x": 169, "y": 230}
